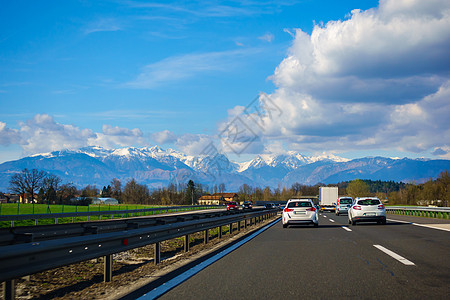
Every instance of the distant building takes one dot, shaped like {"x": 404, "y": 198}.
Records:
{"x": 105, "y": 201}
{"x": 211, "y": 200}
{"x": 4, "y": 198}
{"x": 94, "y": 200}
{"x": 228, "y": 196}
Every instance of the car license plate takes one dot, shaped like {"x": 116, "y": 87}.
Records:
{"x": 370, "y": 214}
{"x": 300, "y": 212}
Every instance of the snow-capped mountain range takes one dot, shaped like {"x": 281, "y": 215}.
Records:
{"x": 157, "y": 167}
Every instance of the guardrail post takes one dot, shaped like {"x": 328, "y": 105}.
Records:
{"x": 220, "y": 232}
{"x": 245, "y": 223}
{"x": 9, "y": 289}
{"x": 186, "y": 243}
{"x": 231, "y": 228}
{"x": 107, "y": 277}
{"x": 239, "y": 225}
{"x": 206, "y": 240}
{"x": 157, "y": 253}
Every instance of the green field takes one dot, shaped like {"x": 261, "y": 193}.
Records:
{"x": 29, "y": 209}
{"x": 23, "y": 209}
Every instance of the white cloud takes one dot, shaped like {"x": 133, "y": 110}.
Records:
{"x": 164, "y": 137}
{"x": 7, "y": 135}
{"x": 182, "y": 67}
{"x": 377, "y": 80}
{"x": 268, "y": 37}
{"x": 196, "y": 144}
{"x": 43, "y": 134}
{"x": 376, "y": 55}
{"x": 103, "y": 24}
{"x": 117, "y": 131}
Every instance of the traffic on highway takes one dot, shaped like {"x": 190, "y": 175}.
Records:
{"x": 403, "y": 258}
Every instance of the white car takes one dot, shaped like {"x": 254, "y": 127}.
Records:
{"x": 367, "y": 209}
{"x": 343, "y": 204}
{"x": 299, "y": 212}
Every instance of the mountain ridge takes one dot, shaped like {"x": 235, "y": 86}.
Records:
{"x": 157, "y": 167}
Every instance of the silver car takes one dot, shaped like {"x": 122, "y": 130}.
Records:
{"x": 299, "y": 212}
{"x": 343, "y": 204}
{"x": 367, "y": 209}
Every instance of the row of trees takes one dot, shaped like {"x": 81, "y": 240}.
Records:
{"x": 48, "y": 188}
{"x": 431, "y": 192}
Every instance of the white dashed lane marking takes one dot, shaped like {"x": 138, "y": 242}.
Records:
{"x": 346, "y": 228}
{"x": 395, "y": 255}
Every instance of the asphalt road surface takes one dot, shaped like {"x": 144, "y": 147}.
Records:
{"x": 336, "y": 260}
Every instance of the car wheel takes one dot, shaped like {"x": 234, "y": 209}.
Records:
{"x": 349, "y": 221}
{"x": 285, "y": 225}
{"x": 383, "y": 222}
{"x": 316, "y": 225}
{"x": 337, "y": 214}
{"x": 353, "y": 222}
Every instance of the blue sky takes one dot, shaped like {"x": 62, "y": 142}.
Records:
{"x": 350, "y": 78}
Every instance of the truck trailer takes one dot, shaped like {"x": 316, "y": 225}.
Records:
{"x": 327, "y": 198}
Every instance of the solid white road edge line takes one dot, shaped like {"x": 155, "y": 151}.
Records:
{"x": 421, "y": 225}
{"x": 346, "y": 228}
{"x": 160, "y": 290}
{"x": 429, "y": 226}
{"x": 395, "y": 255}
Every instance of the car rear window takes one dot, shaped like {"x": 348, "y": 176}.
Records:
{"x": 299, "y": 204}
{"x": 346, "y": 201}
{"x": 369, "y": 202}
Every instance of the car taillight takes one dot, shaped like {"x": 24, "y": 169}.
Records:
{"x": 381, "y": 206}
{"x": 311, "y": 209}
{"x": 357, "y": 207}
{"x": 288, "y": 209}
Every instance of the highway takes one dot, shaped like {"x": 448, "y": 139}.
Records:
{"x": 336, "y": 260}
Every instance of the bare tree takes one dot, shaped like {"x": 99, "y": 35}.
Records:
{"x": 17, "y": 184}
{"x": 116, "y": 188}
{"x": 33, "y": 181}
{"x": 222, "y": 188}
{"x": 135, "y": 193}
{"x": 51, "y": 181}
{"x": 66, "y": 192}
{"x": 89, "y": 191}
{"x": 27, "y": 182}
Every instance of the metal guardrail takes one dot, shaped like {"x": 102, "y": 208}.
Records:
{"x": 27, "y": 234}
{"x": 29, "y": 258}
{"x": 420, "y": 211}
{"x": 73, "y": 215}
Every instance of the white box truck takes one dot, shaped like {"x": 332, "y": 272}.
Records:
{"x": 327, "y": 197}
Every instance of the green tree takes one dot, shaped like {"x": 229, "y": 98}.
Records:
{"x": 51, "y": 195}
{"x": 41, "y": 196}
{"x": 190, "y": 195}
{"x": 357, "y": 188}
{"x": 106, "y": 191}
